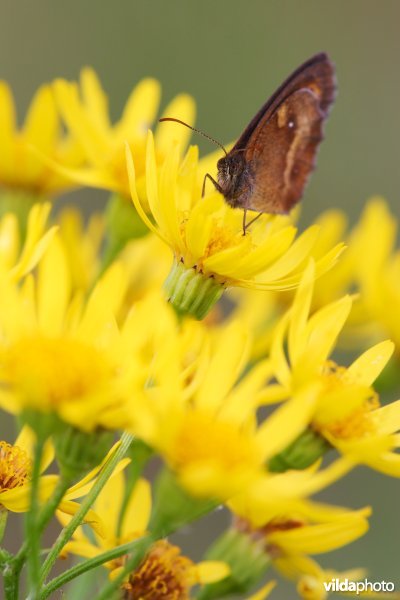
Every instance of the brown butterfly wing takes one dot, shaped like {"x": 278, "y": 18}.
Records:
{"x": 281, "y": 142}
{"x": 316, "y": 74}
{"x": 282, "y": 155}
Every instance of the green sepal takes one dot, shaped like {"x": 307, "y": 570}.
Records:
{"x": 78, "y": 452}
{"x": 247, "y": 559}
{"x": 191, "y": 292}
{"x": 300, "y": 454}
{"x": 173, "y": 507}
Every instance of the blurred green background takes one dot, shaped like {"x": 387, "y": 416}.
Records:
{"x": 231, "y": 55}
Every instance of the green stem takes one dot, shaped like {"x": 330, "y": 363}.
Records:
{"x": 139, "y": 453}
{"x": 32, "y": 533}
{"x": 15, "y": 563}
{"x": 77, "y": 519}
{"x": 10, "y": 582}
{"x": 11, "y": 572}
{"x": 3, "y": 522}
{"x": 87, "y": 565}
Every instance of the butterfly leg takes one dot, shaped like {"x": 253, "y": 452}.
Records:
{"x": 216, "y": 184}
{"x": 247, "y": 225}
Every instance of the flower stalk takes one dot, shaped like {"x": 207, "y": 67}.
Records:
{"x": 66, "y": 533}
{"x": 32, "y": 531}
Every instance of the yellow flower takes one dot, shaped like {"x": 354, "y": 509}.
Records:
{"x": 367, "y": 270}
{"x": 19, "y": 259}
{"x": 198, "y": 408}
{"x": 15, "y": 477}
{"x": 206, "y": 237}
{"x": 347, "y": 412}
{"x": 61, "y": 355}
{"x": 164, "y": 568}
{"x": 15, "y": 471}
{"x": 378, "y": 269}
{"x": 20, "y": 168}
{"x": 88, "y": 120}
{"x": 288, "y": 533}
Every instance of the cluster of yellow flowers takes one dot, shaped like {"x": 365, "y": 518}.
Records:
{"x": 159, "y": 323}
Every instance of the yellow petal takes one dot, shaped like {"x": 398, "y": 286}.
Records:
{"x": 168, "y": 196}
{"x": 266, "y": 253}
{"x": 41, "y": 124}
{"x": 18, "y": 499}
{"x": 91, "y": 518}
{"x": 209, "y": 571}
{"x": 367, "y": 367}
{"x": 138, "y": 511}
{"x": 244, "y": 397}
{"x": 108, "y": 504}
{"x": 140, "y": 109}
{"x": 95, "y": 99}
{"x": 387, "y": 418}
{"x": 323, "y": 329}
{"x": 80, "y": 123}
{"x": 287, "y": 422}
{"x": 135, "y": 197}
{"x": 53, "y": 299}
{"x": 103, "y": 303}
{"x": 10, "y": 240}
{"x": 264, "y": 592}
{"x": 297, "y": 335}
{"x": 228, "y": 359}
{"x": 7, "y": 130}
{"x": 298, "y": 251}
{"x": 314, "y": 539}
{"x": 182, "y": 107}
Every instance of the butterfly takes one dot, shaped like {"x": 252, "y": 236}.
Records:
{"x": 267, "y": 169}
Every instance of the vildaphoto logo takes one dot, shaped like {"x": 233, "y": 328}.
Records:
{"x": 344, "y": 585}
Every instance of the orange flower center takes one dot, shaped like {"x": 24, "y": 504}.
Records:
{"x": 43, "y": 373}
{"x": 163, "y": 575}
{"x": 205, "y": 438}
{"x": 349, "y": 418}
{"x": 15, "y": 466}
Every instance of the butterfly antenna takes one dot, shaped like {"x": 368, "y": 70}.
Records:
{"x": 194, "y": 129}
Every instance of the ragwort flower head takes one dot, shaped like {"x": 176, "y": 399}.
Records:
{"x": 164, "y": 571}
{"x": 370, "y": 271}
{"x": 16, "y": 462}
{"x": 85, "y": 111}
{"x": 61, "y": 356}
{"x": 198, "y": 405}
{"x": 21, "y": 171}
{"x": 206, "y": 237}
{"x": 347, "y": 411}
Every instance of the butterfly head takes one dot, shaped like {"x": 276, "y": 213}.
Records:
{"x": 234, "y": 178}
